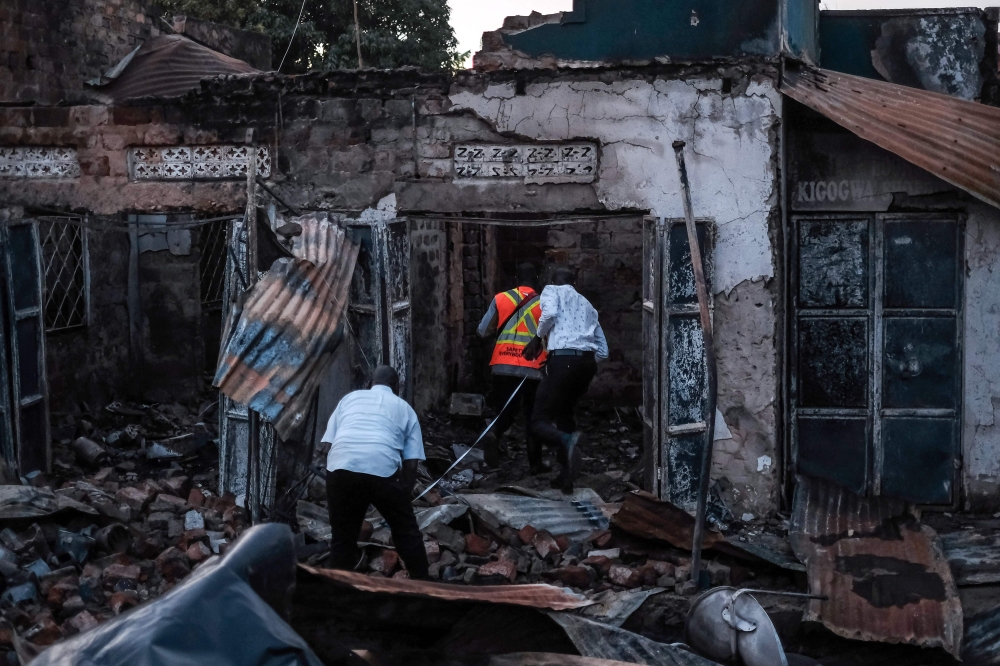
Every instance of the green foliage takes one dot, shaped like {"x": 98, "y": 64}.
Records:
{"x": 394, "y": 33}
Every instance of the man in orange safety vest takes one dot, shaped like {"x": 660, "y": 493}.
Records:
{"x": 513, "y": 316}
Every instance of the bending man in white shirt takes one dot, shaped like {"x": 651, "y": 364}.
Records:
{"x": 375, "y": 445}
{"x": 575, "y": 341}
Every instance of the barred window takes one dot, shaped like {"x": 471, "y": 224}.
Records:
{"x": 67, "y": 272}
{"x": 212, "y": 263}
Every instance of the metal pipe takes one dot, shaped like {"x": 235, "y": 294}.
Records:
{"x": 701, "y": 286}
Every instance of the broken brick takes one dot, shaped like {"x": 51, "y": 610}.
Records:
{"x": 545, "y": 544}
{"x": 367, "y": 529}
{"x": 620, "y": 574}
{"x": 433, "y": 550}
{"x": 572, "y": 576}
{"x": 82, "y": 621}
{"x": 526, "y": 534}
{"x": 159, "y": 520}
{"x": 198, "y": 552}
{"x": 44, "y": 632}
{"x": 177, "y": 485}
{"x": 113, "y": 576}
{"x": 402, "y": 574}
{"x": 196, "y": 498}
{"x": 663, "y": 568}
{"x": 122, "y": 601}
{"x": 60, "y": 592}
{"x": 386, "y": 562}
{"x": 601, "y": 539}
{"x": 598, "y": 562}
{"x": 167, "y": 503}
{"x": 563, "y": 542}
{"x": 477, "y": 545}
{"x": 172, "y": 564}
{"x": 501, "y": 569}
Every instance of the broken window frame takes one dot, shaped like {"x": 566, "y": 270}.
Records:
{"x": 876, "y": 316}
{"x": 77, "y": 226}
{"x": 666, "y": 474}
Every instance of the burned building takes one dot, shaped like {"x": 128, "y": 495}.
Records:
{"x": 556, "y": 148}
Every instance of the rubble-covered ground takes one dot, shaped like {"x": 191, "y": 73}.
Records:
{"x": 129, "y": 509}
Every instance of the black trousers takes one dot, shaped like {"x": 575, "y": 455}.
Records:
{"x": 503, "y": 387}
{"x": 566, "y": 380}
{"x": 348, "y": 495}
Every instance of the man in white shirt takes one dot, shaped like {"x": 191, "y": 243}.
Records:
{"x": 375, "y": 445}
{"x": 574, "y": 340}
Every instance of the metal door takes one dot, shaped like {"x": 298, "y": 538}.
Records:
{"x": 876, "y": 359}
{"x": 379, "y": 311}
{"x": 29, "y": 391}
{"x": 675, "y": 385}
{"x": 234, "y": 417}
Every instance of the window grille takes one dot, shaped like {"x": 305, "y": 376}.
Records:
{"x": 67, "y": 272}
{"x": 212, "y": 263}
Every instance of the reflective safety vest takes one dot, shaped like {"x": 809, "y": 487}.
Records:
{"x": 520, "y": 328}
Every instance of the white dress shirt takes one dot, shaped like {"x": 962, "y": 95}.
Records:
{"x": 569, "y": 321}
{"x": 373, "y": 432}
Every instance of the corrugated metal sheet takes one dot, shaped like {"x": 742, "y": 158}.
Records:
{"x": 883, "y": 571}
{"x": 577, "y": 519}
{"x": 168, "y": 66}
{"x": 288, "y": 329}
{"x": 974, "y": 557}
{"x": 603, "y": 641}
{"x": 530, "y": 596}
{"x": 956, "y": 140}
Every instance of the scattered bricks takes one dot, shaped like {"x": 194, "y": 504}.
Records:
{"x": 433, "y": 550}
{"x": 648, "y": 573}
{"x": 545, "y": 544}
{"x": 510, "y": 535}
{"x": 167, "y": 503}
{"x": 624, "y": 576}
{"x": 160, "y": 520}
{"x": 448, "y": 538}
{"x": 120, "y": 576}
{"x": 501, "y": 570}
{"x": 196, "y": 498}
{"x": 402, "y": 574}
{"x": 198, "y": 552}
{"x": 386, "y": 562}
{"x": 611, "y": 553}
{"x": 81, "y": 622}
{"x": 177, "y": 485}
{"x": 147, "y": 548}
{"x": 43, "y": 632}
{"x": 193, "y": 521}
{"x": 563, "y": 542}
{"x": 687, "y": 588}
{"x": 663, "y": 568}
{"x": 599, "y": 562}
{"x": 172, "y": 564}
{"x": 477, "y": 545}
{"x": 213, "y": 520}
{"x": 122, "y": 601}
{"x": 666, "y": 581}
{"x": 526, "y": 534}
{"x": 105, "y": 475}
{"x": 718, "y": 573}
{"x": 116, "y": 512}
{"x": 520, "y": 559}
{"x": 682, "y": 573}
{"x": 175, "y": 528}
{"x": 367, "y": 529}
{"x": 572, "y": 576}
{"x": 59, "y": 593}
{"x": 234, "y": 515}
{"x": 469, "y": 577}
{"x": 90, "y": 582}
{"x": 64, "y": 575}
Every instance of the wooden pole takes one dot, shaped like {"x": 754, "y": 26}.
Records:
{"x": 357, "y": 35}
{"x": 253, "y": 494}
{"x": 697, "y": 264}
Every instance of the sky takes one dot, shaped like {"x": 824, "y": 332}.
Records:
{"x": 471, "y": 18}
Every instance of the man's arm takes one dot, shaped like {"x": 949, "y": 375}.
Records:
{"x": 488, "y": 326}
{"x": 602, "y": 343}
{"x": 413, "y": 452}
{"x": 549, "y": 303}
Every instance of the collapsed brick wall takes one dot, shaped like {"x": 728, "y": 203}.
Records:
{"x": 49, "y": 49}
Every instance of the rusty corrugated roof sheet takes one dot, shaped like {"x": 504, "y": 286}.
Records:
{"x": 532, "y": 596}
{"x": 169, "y": 66}
{"x": 287, "y": 332}
{"x": 956, "y": 140}
{"x": 883, "y": 571}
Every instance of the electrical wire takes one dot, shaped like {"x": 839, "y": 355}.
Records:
{"x": 292, "y": 38}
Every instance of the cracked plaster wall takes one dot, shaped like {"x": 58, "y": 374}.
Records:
{"x": 981, "y": 423}
{"x": 731, "y": 158}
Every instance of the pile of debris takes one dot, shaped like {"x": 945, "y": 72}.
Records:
{"x": 129, "y": 510}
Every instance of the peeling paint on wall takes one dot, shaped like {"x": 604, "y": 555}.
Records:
{"x": 729, "y": 135}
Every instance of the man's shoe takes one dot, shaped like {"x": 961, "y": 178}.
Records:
{"x": 574, "y": 456}
{"x": 491, "y": 450}
{"x": 540, "y": 468}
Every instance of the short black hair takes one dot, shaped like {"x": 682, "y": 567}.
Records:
{"x": 384, "y": 375}
{"x": 563, "y": 275}
{"x": 527, "y": 275}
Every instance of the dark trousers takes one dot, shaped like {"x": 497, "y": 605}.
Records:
{"x": 503, "y": 387}
{"x": 566, "y": 380}
{"x": 348, "y": 496}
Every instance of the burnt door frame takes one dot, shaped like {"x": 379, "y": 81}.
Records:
{"x": 875, "y": 315}
{"x": 675, "y": 392}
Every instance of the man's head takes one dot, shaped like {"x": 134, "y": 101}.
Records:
{"x": 384, "y": 375}
{"x": 563, "y": 275}
{"x": 527, "y": 275}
